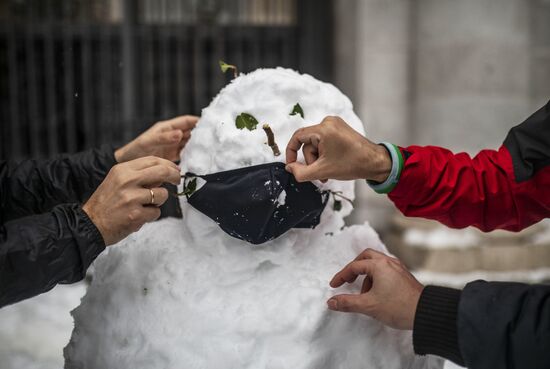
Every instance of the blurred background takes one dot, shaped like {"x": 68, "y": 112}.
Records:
{"x": 79, "y": 73}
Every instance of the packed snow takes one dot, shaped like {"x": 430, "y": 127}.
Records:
{"x": 182, "y": 293}
{"x": 33, "y": 332}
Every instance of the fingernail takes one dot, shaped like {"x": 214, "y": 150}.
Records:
{"x": 332, "y": 304}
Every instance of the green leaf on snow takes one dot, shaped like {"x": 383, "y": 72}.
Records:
{"x": 245, "y": 120}
{"x": 297, "y": 109}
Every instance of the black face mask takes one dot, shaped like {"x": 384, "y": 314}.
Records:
{"x": 244, "y": 202}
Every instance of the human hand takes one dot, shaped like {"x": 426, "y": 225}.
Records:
{"x": 332, "y": 149}
{"x": 123, "y": 202}
{"x": 164, "y": 139}
{"x": 390, "y": 293}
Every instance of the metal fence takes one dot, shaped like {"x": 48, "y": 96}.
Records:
{"x": 75, "y": 74}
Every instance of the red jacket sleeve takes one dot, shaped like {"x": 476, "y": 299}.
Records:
{"x": 505, "y": 189}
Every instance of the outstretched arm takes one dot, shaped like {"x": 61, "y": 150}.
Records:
{"x": 39, "y": 251}
{"x": 507, "y": 189}
{"x": 36, "y": 186}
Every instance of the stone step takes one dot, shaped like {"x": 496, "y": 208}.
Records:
{"x": 499, "y": 251}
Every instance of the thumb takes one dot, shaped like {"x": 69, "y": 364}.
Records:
{"x": 349, "y": 303}
{"x": 303, "y": 172}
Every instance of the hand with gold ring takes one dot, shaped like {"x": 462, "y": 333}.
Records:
{"x": 130, "y": 196}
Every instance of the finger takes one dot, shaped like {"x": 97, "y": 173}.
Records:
{"x": 156, "y": 198}
{"x": 186, "y": 135}
{"x": 310, "y": 153}
{"x": 159, "y": 174}
{"x": 348, "y": 303}
{"x": 171, "y": 137}
{"x": 351, "y": 271}
{"x": 147, "y": 162}
{"x": 370, "y": 254}
{"x": 150, "y": 213}
{"x": 174, "y": 136}
{"x": 183, "y": 123}
{"x": 303, "y": 172}
{"x": 307, "y": 135}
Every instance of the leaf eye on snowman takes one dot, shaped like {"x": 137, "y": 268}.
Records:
{"x": 248, "y": 121}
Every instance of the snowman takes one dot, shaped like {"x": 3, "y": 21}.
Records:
{"x": 232, "y": 285}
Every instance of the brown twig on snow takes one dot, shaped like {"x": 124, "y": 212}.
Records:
{"x": 271, "y": 140}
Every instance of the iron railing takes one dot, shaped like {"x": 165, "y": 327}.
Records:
{"x": 75, "y": 74}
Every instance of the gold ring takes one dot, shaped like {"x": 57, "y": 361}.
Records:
{"x": 152, "y": 197}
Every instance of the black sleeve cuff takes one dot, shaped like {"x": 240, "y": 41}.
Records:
{"x": 90, "y": 240}
{"x": 435, "y": 323}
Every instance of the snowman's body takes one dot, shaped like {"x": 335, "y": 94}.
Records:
{"x": 184, "y": 294}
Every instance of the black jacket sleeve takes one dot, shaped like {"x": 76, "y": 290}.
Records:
{"x": 43, "y": 243}
{"x": 487, "y": 325}
{"x": 36, "y": 186}
{"x": 37, "y": 252}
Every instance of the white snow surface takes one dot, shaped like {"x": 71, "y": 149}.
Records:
{"x": 181, "y": 293}
{"x": 33, "y": 332}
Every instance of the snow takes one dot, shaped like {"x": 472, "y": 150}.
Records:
{"x": 182, "y": 293}
{"x": 542, "y": 237}
{"x": 442, "y": 237}
{"x": 438, "y": 236}
{"x": 33, "y": 332}
{"x": 282, "y": 198}
{"x": 451, "y": 365}
{"x": 459, "y": 280}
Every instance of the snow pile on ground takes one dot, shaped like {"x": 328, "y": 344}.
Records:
{"x": 182, "y": 293}
{"x": 33, "y": 332}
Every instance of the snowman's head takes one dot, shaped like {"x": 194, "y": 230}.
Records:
{"x": 269, "y": 95}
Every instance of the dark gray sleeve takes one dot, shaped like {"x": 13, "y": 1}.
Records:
{"x": 37, "y": 252}
{"x": 485, "y": 326}
{"x": 504, "y": 325}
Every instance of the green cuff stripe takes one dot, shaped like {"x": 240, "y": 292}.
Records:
{"x": 397, "y": 167}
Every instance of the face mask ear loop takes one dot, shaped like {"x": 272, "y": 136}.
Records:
{"x": 339, "y": 194}
{"x": 326, "y": 195}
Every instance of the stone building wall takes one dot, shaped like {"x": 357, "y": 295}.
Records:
{"x": 452, "y": 73}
